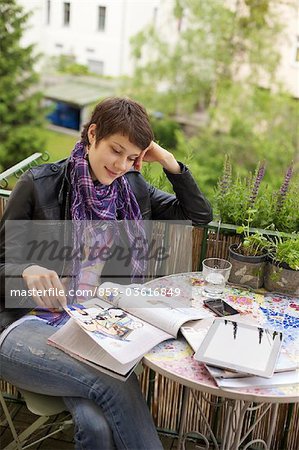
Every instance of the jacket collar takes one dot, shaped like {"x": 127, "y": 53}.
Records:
{"x": 65, "y": 185}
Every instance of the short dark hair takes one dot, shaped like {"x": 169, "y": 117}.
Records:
{"x": 120, "y": 115}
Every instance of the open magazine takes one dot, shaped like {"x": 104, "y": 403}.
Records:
{"x": 113, "y": 331}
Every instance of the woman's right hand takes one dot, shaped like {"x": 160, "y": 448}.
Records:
{"x": 155, "y": 153}
{"x": 47, "y": 290}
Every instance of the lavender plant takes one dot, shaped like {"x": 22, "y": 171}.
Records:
{"x": 284, "y": 188}
{"x": 225, "y": 181}
{"x": 235, "y": 196}
{"x": 287, "y": 204}
{"x": 259, "y": 175}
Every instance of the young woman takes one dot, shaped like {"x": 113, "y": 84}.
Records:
{"x": 100, "y": 181}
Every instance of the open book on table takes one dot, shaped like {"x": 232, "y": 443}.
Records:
{"x": 113, "y": 331}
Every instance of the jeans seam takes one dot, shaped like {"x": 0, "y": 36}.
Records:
{"x": 77, "y": 425}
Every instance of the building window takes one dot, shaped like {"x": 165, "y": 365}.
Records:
{"x": 66, "y": 13}
{"x": 48, "y": 12}
{"x": 96, "y": 66}
{"x": 297, "y": 50}
{"x": 155, "y": 15}
{"x": 102, "y": 18}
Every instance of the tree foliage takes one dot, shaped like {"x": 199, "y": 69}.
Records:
{"x": 259, "y": 127}
{"x": 210, "y": 46}
{"x": 21, "y": 113}
{"x": 219, "y": 65}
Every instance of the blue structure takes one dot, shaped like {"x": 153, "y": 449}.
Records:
{"x": 72, "y": 98}
{"x": 65, "y": 115}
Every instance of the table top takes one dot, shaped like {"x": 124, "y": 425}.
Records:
{"x": 174, "y": 358}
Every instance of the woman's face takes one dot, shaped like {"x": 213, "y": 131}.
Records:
{"x": 112, "y": 157}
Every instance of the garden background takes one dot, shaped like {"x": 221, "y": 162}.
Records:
{"x": 220, "y": 76}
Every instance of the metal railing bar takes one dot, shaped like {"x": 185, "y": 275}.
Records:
{"x": 5, "y": 193}
{"x": 214, "y": 225}
{"x": 19, "y": 166}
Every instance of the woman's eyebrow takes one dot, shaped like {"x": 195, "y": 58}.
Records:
{"x": 123, "y": 148}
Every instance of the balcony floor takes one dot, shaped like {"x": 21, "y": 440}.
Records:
{"x": 63, "y": 440}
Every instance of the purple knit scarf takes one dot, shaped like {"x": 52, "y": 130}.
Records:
{"x": 97, "y": 202}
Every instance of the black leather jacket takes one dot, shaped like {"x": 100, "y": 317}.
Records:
{"x": 43, "y": 193}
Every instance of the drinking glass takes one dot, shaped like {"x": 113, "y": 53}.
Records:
{"x": 215, "y": 273}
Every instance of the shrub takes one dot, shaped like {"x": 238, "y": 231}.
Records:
{"x": 285, "y": 250}
{"x": 165, "y": 131}
{"x": 253, "y": 244}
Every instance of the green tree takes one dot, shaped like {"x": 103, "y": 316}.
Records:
{"x": 214, "y": 64}
{"x": 212, "y": 45}
{"x": 21, "y": 114}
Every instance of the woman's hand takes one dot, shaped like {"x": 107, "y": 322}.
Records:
{"x": 47, "y": 290}
{"x": 155, "y": 153}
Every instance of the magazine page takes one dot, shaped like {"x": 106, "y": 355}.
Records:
{"x": 194, "y": 332}
{"x": 284, "y": 363}
{"x": 77, "y": 343}
{"x": 164, "y": 309}
{"x": 125, "y": 337}
{"x": 278, "y": 379}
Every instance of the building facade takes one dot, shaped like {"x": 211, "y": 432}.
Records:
{"x": 97, "y": 33}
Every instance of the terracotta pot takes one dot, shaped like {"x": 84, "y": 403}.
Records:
{"x": 281, "y": 278}
{"x": 246, "y": 270}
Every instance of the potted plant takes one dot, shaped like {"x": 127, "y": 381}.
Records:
{"x": 248, "y": 258}
{"x": 282, "y": 271}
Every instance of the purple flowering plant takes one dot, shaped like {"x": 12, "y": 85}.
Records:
{"x": 239, "y": 199}
{"x": 286, "y": 215}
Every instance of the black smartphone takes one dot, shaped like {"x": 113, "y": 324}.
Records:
{"x": 220, "y": 307}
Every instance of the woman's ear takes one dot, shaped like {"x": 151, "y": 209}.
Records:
{"x": 91, "y": 133}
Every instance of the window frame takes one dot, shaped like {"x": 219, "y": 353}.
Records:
{"x": 101, "y": 26}
{"x": 66, "y": 14}
{"x": 48, "y": 12}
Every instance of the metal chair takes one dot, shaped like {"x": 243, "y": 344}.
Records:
{"x": 44, "y": 406}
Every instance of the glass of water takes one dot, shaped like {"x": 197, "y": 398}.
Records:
{"x": 215, "y": 273}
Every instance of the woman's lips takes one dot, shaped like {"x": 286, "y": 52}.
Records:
{"x": 112, "y": 174}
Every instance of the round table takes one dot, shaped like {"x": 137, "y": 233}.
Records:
{"x": 174, "y": 360}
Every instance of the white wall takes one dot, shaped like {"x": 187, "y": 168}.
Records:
{"x": 288, "y": 71}
{"x": 124, "y": 19}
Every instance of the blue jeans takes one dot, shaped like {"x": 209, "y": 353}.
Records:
{"x": 107, "y": 413}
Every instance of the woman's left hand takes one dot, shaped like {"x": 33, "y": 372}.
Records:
{"x": 155, "y": 153}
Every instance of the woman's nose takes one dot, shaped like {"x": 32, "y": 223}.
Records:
{"x": 120, "y": 164}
